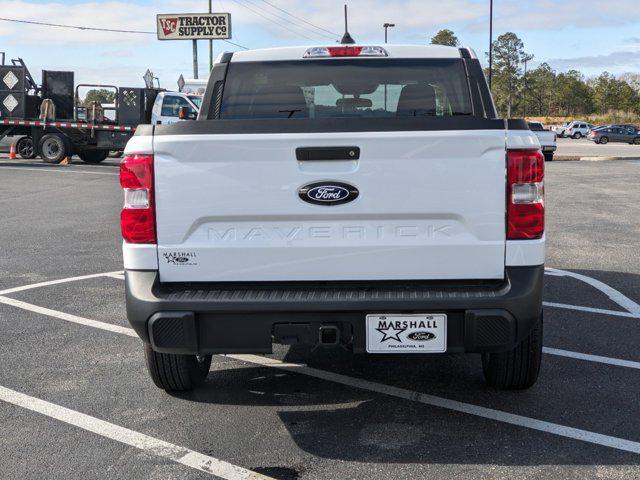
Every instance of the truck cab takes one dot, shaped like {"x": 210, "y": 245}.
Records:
{"x": 167, "y": 105}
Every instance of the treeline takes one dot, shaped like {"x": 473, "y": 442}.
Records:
{"x": 520, "y": 91}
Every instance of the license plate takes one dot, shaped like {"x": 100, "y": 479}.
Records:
{"x": 395, "y": 333}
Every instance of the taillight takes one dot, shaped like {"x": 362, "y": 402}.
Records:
{"x": 138, "y": 218}
{"x": 345, "y": 51}
{"x": 525, "y": 194}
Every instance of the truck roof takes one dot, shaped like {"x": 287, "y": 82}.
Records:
{"x": 394, "y": 51}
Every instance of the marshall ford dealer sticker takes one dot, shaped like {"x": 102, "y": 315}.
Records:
{"x": 407, "y": 333}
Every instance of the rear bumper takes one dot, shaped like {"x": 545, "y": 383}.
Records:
{"x": 248, "y": 318}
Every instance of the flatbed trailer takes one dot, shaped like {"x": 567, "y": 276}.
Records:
{"x": 52, "y": 120}
{"x": 54, "y": 140}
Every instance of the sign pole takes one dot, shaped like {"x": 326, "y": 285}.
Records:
{"x": 210, "y": 41}
{"x": 195, "y": 58}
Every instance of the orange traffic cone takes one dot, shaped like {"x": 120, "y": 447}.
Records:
{"x": 12, "y": 152}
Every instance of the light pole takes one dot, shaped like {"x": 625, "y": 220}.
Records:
{"x": 490, "y": 42}
{"x": 527, "y": 58}
{"x": 386, "y": 26}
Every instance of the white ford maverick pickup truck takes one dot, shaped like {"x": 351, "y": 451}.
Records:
{"x": 351, "y": 195}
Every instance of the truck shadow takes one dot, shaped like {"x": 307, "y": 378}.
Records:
{"x": 334, "y": 421}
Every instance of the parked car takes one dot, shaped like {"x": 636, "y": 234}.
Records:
{"x": 547, "y": 138}
{"x": 302, "y": 208}
{"x": 24, "y": 146}
{"x": 616, "y": 133}
{"x": 578, "y": 130}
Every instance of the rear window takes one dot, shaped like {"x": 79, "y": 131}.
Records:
{"x": 342, "y": 88}
{"x": 536, "y": 127}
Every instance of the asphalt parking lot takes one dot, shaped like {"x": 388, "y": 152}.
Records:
{"x": 76, "y": 401}
{"x": 568, "y": 147}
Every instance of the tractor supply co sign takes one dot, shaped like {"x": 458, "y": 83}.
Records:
{"x": 194, "y": 26}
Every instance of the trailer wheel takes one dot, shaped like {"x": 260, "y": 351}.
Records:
{"x": 54, "y": 147}
{"x": 26, "y": 148}
{"x": 93, "y": 156}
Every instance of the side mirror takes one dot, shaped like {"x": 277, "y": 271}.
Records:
{"x": 187, "y": 113}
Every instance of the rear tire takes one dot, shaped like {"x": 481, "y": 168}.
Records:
{"x": 176, "y": 373}
{"x": 54, "y": 148}
{"x": 93, "y": 156}
{"x": 548, "y": 157}
{"x": 577, "y": 136}
{"x": 515, "y": 369}
{"x": 636, "y": 141}
{"x": 603, "y": 140}
{"x": 26, "y": 148}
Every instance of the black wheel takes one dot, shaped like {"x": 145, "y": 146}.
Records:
{"x": 636, "y": 141}
{"x": 516, "y": 369}
{"x": 25, "y": 148}
{"x": 176, "y": 373}
{"x": 548, "y": 157}
{"x": 53, "y": 148}
{"x": 577, "y": 136}
{"x": 93, "y": 156}
{"x": 603, "y": 140}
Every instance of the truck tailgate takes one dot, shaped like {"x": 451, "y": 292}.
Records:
{"x": 431, "y": 205}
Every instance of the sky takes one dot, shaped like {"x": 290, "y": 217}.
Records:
{"x": 587, "y": 35}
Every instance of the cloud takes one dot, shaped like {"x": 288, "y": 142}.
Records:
{"x": 414, "y": 18}
{"x": 551, "y": 15}
{"x": 614, "y": 60}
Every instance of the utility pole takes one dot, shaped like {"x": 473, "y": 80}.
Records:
{"x": 210, "y": 41}
{"x": 490, "y": 42}
{"x": 195, "y": 58}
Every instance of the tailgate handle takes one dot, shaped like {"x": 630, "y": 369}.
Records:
{"x": 327, "y": 153}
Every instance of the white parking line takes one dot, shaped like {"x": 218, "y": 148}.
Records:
{"x": 592, "y": 358}
{"x": 57, "y": 170}
{"x": 68, "y": 317}
{"x": 580, "y": 308}
{"x": 116, "y": 275}
{"x": 146, "y": 443}
{"x": 489, "y": 413}
{"x": 56, "y": 282}
{"x": 478, "y": 411}
{"x": 612, "y": 293}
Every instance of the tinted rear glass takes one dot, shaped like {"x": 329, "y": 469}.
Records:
{"x": 536, "y": 127}
{"x": 340, "y": 88}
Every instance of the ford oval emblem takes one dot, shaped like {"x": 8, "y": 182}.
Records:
{"x": 328, "y": 193}
{"x": 421, "y": 336}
